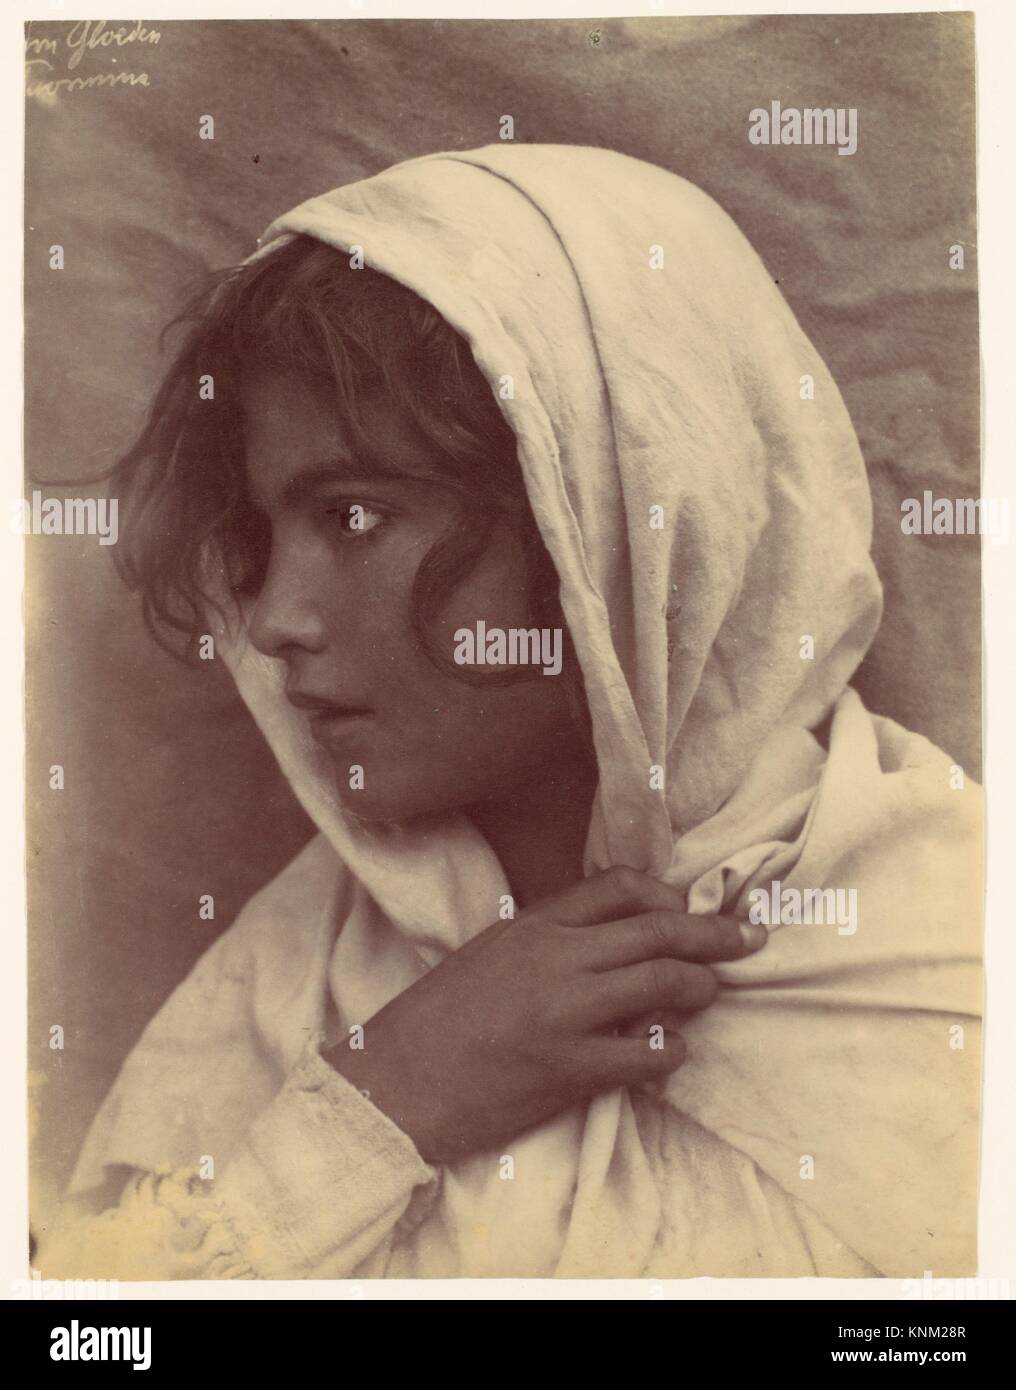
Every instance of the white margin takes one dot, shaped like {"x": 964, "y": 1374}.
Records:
{"x": 996, "y": 57}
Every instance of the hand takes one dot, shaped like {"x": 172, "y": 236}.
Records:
{"x": 537, "y": 1014}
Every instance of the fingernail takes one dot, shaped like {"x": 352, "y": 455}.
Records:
{"x": 754, "y": 935}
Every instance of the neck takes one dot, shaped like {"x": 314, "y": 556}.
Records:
{"x": 539, "y": 832}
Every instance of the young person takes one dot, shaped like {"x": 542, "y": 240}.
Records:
{"x": 630, "y": 943}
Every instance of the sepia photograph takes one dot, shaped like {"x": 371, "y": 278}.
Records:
{"x": 504, "y": 523}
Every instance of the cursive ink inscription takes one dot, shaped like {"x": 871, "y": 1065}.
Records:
{"x": 44, "y": 58}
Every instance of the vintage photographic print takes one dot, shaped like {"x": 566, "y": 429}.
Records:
{"x": 504, "y": 522}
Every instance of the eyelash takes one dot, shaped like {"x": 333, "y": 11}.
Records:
{"x": 368, "y": 511}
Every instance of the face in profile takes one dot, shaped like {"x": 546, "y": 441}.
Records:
{"x": 334, "y": 604}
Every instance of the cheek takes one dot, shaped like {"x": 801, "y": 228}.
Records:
{"x": 374, "y": 591}
{"x": 368, "y": 604}
{"x": 495, "y": 592}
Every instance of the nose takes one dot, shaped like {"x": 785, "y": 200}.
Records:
{"x": 287, "y": 612}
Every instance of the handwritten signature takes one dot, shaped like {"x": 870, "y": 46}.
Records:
{"x": 83, "y": 37}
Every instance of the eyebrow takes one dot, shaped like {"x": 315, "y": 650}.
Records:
{"x": 331, "y": 470}
{"x": 338, "y": 468}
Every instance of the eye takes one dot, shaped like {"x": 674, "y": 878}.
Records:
{"x": 355, "y": 519}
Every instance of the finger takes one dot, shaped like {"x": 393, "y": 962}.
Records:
{"x": 625, "y": 1061}
{"x": 657, "y": 934}
{"x": 670, "y": 1020}
{"x": 607, "y": 896}
{"x": 618, "y": 996}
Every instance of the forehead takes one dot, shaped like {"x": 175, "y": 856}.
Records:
{"x": 291, "y": 429}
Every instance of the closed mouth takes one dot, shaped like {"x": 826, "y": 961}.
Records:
{"x": 323, "y": 711}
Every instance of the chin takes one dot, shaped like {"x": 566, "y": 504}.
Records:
{"x": 384, "y": 810}
{"x": 398, "y": 805}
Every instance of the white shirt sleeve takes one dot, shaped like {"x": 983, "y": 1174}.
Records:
{"x": 322, "y": 1181}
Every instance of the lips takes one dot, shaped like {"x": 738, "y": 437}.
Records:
{"x": 317, "y": 706}
{"x": 329, "y": 720}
